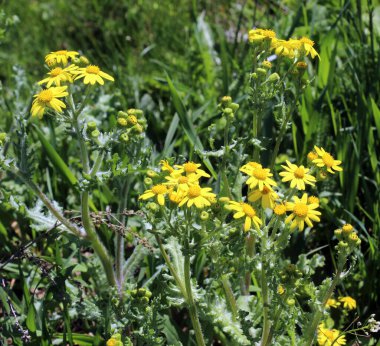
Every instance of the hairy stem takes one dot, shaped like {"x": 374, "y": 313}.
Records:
{"x": 264, "y": 289}
{"x": 230, "y": 297}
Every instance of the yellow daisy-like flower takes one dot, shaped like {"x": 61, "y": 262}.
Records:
{"x": 258, "y": 35}
{"x": 302, "y": 212}
{"x": 297, "y": 175}
{"x": 165, "y": 166}
{"x": 312, "y": 155}
{"x": 325, "y": 159}
{"x": 48, "y": 98}
{"x": 280, "y": 290}
{"x": 348, "y": 302}
{"x": 285, "y": 48}
{"x": 332, "y": 303}
{"x": 92, "y": 74}
{"x": 177, "y": 196}
{"x": 279, "y": 209}
{"x": 198, "y": 196}
{"x": 249, "y": 167}
{"x": 330, "y": 337}
{"x": 60, "y": 57}
{"x": 260, "y": 177}
{"x": 307, "y": 47}
{"x": 180, "y": 181}
{"x": 245, "y": 210}
{"x": 192, "y": 168}
{"x": 59, "y": 75}
{"x": 158, "y": 191}
{"x": 267, "y": 196}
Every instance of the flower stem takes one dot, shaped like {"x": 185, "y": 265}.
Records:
{"x": 230, "y": 297}
{"x": 264, "y": 290}
{"x": 250, "y": 250}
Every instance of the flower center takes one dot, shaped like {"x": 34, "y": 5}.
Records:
{"x": 183, "y": 180}
{"x": 299, "y": 173}
{"x": 347, "y": 227}
{"x": 265, "y": 190}
{"x": 159, "y": 189}
{"x": 280, "y": 209}
{"x": 329, "y": 334}
{"x": 260, "y": 173}
{"x": 301, "y": 210}
{"x": 55, "y": 72}
{"x": 194, "y": 191}
{"x": 61, "y": 52}
{"x": 248, "y": 210}
{"x": 190, "y": 167}
{"x": 45, "y": 96}
{"x": 328, "y": 160}
{"x": 93, "y": 69}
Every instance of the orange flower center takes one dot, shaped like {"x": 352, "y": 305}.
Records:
{"x": 93, "y": 69}
{"x": 248, "y": 210}
{"x": 260, "y": 173}
{"x": 194, "y": 191}
{"x": 159, "y": 189}
{"x": 190, "y": 167}
{"x": 299, "y": 172}
{"x": 280, "y": 209}
{"x": 45, "y": 96}
{"x": 301, "y": 210}
{"x": 183, "y": 180}
{"x": 55, "y": 72}
{"x": 265, "y": 190}
{"x": 61, "y": 52}
{"x": 328, "y": 160}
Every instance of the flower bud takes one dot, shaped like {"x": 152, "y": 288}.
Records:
{"x": 95, "y": 134}
{"x": 353, "y": 237}
{"x": 274, "y": 77}
{"x": 234, "y": 107}
{"x": 204, "y": 215}
{"x": 266, "y": 64}
{"x": 139, "y": 112}
{"x": 122, "y": 122}
{"x": 347, "y": 229}
{"x": 343, "y": 245}
{"x": 144, "y": 300}
{"x": 83, "y": 61}
{"x": 312, "y": 155}
{"x": 132, "y": 120}
{"x": 290, "y": 301}
{"x": 122, "y": 114}
{"x": 138, "y": 128}
{"x": 148, "y": 181}
{"x": 254, "y": 75}
{"x": 3, "y": 137}
{"x": 151, "y": 173}
{"x": 91, "y": 126}
{"x": 227, "y": 111}
{"x": 280, "y": 290}
{"x": 153, "y": 206}
{"x": 124, "y": 137}
{"x": 261, "y": 71}
{"x": 224, "y": 199}
{"x": 301, "y": 66}
{"x": 131, "y": 111}
{"x": 141, "y": 292}
{"x": 148, "y": 294}
{"x": 226, "y": 101}
{"x": 338, "y": 233}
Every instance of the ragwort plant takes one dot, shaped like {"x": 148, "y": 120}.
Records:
{"x": 222, "y": 237}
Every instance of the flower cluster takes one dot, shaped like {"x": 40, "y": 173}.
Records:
{"x": 329, "y": 337}
{"x": 65, "y": 68}
{"x": 131, "y": 122}
{"x": 348, "y": 303}
{"x": 348, "y": 238}
{"x": 292, "y": 48}
{"x": 181, "y": 185}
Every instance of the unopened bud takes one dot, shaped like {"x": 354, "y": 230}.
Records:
{"x": 122, "y": 122}
{"x": 148, "y": 181}
{"x": 266, "y": 64}
{"x": 132, "y": 120}
{"x": 138, "y": 128}
{"x": 254, "y": 75}
{"x": 290, "y": 301}
{"x": 124, "y": 137}
{"x": 153, "y": 206}
{"x": 83, "y": 61}
{"x": 95, "y": 134}
{"x": 234, "y": 107}
{"x": 338, "y": 233}
{"x": 301, "y": 65}
{"x": 131, "y": 111}
{"x": 91, "y": 126}
{"x": 151, "y": 173}
{"x": 122, "y": 114}
{"x": 274, "y": 77}
{"x": 226, "y": 101}
{"x": 138, "y": 112}
{"x": 261, "y": 71}
{"x": 204, "y": 215}
{"x": 342, "y": 244}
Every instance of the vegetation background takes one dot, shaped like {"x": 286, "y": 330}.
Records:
{"x": 203, "y": 46}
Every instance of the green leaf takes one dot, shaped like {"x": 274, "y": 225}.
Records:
{"x": 31, "y": 319}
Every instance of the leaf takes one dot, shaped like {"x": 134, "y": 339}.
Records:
{"x": 31, "y": 319}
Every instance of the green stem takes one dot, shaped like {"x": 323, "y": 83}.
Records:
{"x": 230, "y": 297}
{"x": 97, "y": 164}
{"x": 310, "y": 331}
{"x": 250, "y": 249}
{"x": 264, "y": 290}
{"x": 225, "y": 156}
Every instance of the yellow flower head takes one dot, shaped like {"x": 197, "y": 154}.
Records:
{"x": 347, "y": 228}
{"x": 285, "y": 48}
{"x": 312, "y": 155}
{"x": 280, "y": 290}
{"x": 165, "y": 166}
{"x": 332, "y": 303}
{"x": 267, "y": 196}
{"x": 259, "y": 177}
{"x": 325, "y": 159}
{"x": 59, "y": 75}
{"x": 158, "y": 191}
{"x": 181, "y": 182}
{"x": 60, "y": 57}
{"x": 92, "y": 74}
{"x": 249, "y": 167}
{"x": 307, "y": 47}
{"x": 330, "y": 337}
{"x": 176, "y": 196}
{"x": 302, "y": 212}
{"x": 245, "y": 210}
{"x": 279, "y": 209}
{"x": 192, "y": 168}
{"x": 297, "y": 175}
{"x": 48, "y": 98}
{"x": 348, "y": 302}
{"x": 198, "y": 196}
{"x": 267, "y": 64}
{"x": 259, "y": 35}
{"x": 313, "y": 200}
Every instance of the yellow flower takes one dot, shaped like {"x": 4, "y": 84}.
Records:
{"x": 249, "y": 167}
{"x": 279, "y": 209}
{"x": 60, "y": 56}
{"x": 245, "y": 210}
{"x": 330, "y": 337}
{"x": 347, "y": 228}
{"x": 280, "y": 290}
{"x": 313, "y": 200}
{"x": 325, "y": 159}
{"x": 48, "y": 98}
{"x": 92, "y": 74}
{"x": 192, "y": 168}
{"x": 312, "y": 155}
{"x": 159, "y": 191}
{"x": 307, "y": 47}
{"x": 260, "y": 177}
{"x": 267, "y": 196}
{"x": 165, "y": 166}
{"x": 297, "y": 175}
{"x": 285, "y": 48}
{"x": 332, "y": 303}
{"x": 198, "y": 196}
{"x": 302, "y": 212}
{"x": 176, "y": 196}
{"x": 112, "y": 342}
{"x": 59, "y": 75}
{"x": 348, "y": 302}
{"x": 258, "y": 35}
{"x": 180, "y": 181}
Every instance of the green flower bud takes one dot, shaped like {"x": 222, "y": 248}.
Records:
{"x": 148, "y": 181}
{"x": 122, "y": 122}
{"x": 83, "y": 61}
{"x": 131, "y": 111}
{"x": 204, "y": 215}
{"x": 141, "y": 292}
{"x": 266, "y": 64}
{"x": 144, "y": 300}
{"x": 122, "y": 114}
{"x": 139, "y": 112}
{"x": 261, "y": 71}
{"x": 234, "y": 107}
{"x": 91, "y": 126}
{"x": 117, "y": 336}
{"x": 227, "y": 111}
{"x": 124, "y": 137}
{"x": 274, "y": 77}
{"x": 290, "y": 301}
{"x": 226, "y": 100}
{"x": 132, "y": 120}
{"x": 151, "y": 173}
{"x": 134, "y": 293}
{"x": 254, "y": 75}
{"x": 138, "y": 128}
{"x": 148, "y": 294}
{"x": 343, "y": 245}
{"x": 95, "y": 134}
{"x": 153, "y": 206}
